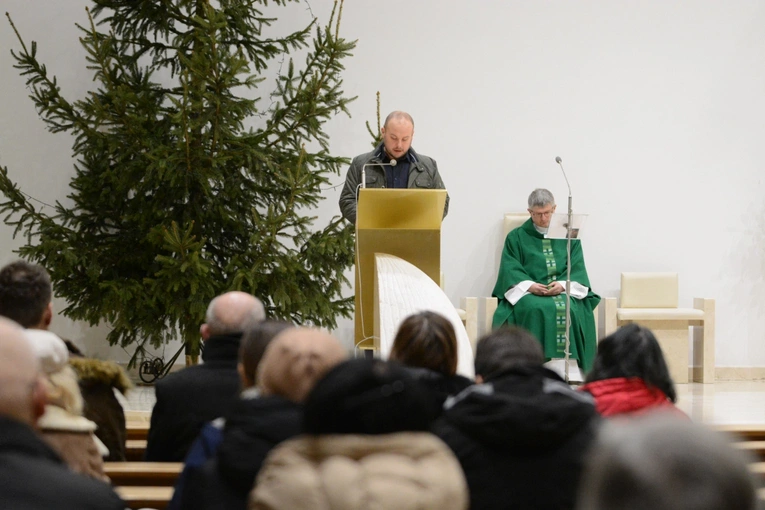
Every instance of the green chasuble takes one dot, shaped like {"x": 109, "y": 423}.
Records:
{"x": 529, "y": 256}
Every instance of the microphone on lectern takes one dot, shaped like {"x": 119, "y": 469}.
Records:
{"x": 392, "y": 162}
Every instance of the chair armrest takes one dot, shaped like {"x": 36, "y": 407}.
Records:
{"x": 479, "y": 312}
{"x": 704, "y": 337}
{"x": 609, "y": 315}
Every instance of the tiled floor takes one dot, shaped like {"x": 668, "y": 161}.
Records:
{"x": 140, "y": 398}
{"x": 735, "y": 402}
{"x": 741, "y": 402}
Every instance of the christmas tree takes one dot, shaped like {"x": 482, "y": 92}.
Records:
{"x": 190, "y": 178}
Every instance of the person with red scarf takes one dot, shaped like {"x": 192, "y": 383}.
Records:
{"x": 629, "y": 375}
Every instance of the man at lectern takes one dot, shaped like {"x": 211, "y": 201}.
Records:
{"x": 532, "y": 282}
{"x": 393, "y": 164}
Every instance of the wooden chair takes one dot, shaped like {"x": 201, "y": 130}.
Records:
{"x": 651, "y": 300}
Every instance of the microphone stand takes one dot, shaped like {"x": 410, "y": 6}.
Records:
{"x": 567, "y": 352}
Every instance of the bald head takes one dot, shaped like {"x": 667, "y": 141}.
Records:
{"x": 22, "y": 395}
{"x": 295, "y": 360}
{"x": 232, "y": 312}
{"x": 399, "y": 116}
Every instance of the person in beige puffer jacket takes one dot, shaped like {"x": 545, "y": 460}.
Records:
{"x": 368, "y": 446}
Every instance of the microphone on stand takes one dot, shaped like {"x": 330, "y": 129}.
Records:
{"x": 392, "y": 162}
{"x": 567, "y": 351}
{"x": 560, "y": 163}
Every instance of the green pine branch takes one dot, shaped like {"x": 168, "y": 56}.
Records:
{"x": 174, "y": 198}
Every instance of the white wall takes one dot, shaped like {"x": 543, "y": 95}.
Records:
{"x": 655, "y": 107}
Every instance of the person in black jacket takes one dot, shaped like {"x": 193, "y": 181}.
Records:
{"x": 191, "y": 397}
{"x": 262, "y": 418}
{"x": 427, "y": 345}
{"x": 32, "y": 475}
{"x": 521, "y": 433}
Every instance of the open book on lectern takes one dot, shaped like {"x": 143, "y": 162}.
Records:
{"x": 559, "y": 226}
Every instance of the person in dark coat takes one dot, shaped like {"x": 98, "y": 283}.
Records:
{"x": 32, "y": 475}
{"x": 521, "y": 433}
{"x": 205, "y": 447}
{"x": 98, "y": 379}
{"x": 261, "y": 419}
{"x": 191, "y": 397}
{"x": 427, "y": 345}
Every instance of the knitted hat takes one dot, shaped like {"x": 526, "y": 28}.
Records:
{"x": 295, "y": 360}
{"x": 50, "y": 349}
{"x": 367, "y": 396}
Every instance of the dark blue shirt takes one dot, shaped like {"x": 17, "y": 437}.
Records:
{"x": 396, "y": 176}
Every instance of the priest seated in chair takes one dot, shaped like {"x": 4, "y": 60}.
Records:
{"x": 531, "y": 286}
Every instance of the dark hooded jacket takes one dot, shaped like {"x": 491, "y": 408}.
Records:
{"x": 520, "y": 438}
{"x": 439, "y": 386}
{"x": 253, "y": 427}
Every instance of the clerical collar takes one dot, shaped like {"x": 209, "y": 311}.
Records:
{"x": 541, "y": 230}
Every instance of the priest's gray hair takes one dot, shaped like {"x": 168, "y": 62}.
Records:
{"x": 540, "y": 197}
{"x": 666, "y": 462}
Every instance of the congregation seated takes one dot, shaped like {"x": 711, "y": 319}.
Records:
{"x": 530, "y": 287}
{"x": 630, "y": 376}
{"x": 263, "y": 417}
{"x": 658, "y": 462}
{"x": 427, "y": 345}
{"x": 188, "y": 399}
{"x": 25, "y": 297}
{"x": 520, "y": 433}
{"x": 366, "y": 446}
{"x": 32, "y": 474}
{"x": 251, "y": 349}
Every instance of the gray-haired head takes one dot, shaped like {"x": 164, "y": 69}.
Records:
{"x": 399, "y": 115}
{"x": 232, "y": 312}
{"x": 663, "y": 462}
{"x": 540, "y": 197}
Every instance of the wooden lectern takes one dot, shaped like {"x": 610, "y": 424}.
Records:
{"x": 401, "y": 222}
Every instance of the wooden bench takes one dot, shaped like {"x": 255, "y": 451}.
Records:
{"x": 143, "y": 473}
{"x": 756, "y": 448}
{"x": 142, "y": 497}
{"x": 758, "y": 468}
{"x": 137, "y": 430}
{"x": 135, "y": 449}
{"x": 744, "y": 432}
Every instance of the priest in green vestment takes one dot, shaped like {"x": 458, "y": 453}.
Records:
{"x": 532, "y": 282}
